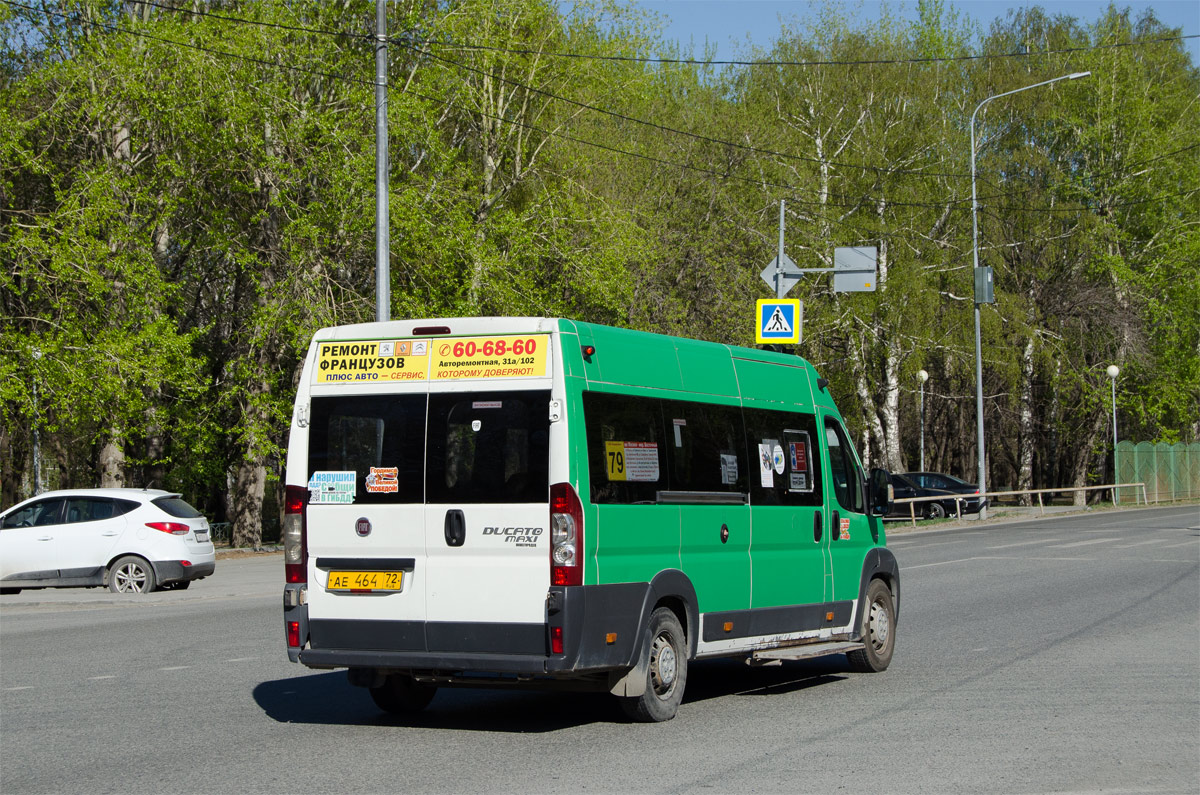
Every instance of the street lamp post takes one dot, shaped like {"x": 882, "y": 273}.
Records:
{"x": 1113, "y": 371}
{"x": 975, "y": 260}
{"x": 37, "y": 435}
{"x": 924, "y": 376}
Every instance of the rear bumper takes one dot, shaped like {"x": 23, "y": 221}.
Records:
{"x": 174, "y": 571}
{"x": 588, "y": 617}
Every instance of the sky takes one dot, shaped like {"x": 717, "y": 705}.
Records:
{"x": 729, "y": 24}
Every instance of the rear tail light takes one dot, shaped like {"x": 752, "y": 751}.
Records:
{"x": 566, "y": 536}
{"x": 293, "y": 634}
{"x": 556, "y": 640}
{"x": 295, "y": 536}
{"x": 174, "y": 528}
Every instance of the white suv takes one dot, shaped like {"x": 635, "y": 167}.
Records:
{"x": 132, "y": 540}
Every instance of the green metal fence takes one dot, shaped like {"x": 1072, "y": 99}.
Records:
{"x": 1170, "y": 471}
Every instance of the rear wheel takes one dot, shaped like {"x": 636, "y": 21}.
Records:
{"x": 878, "y": 631}
{"x": 131, "y": 574}
{"x": 666, "y": 670}
{"x": 936, "y": 511}
{"x": 400, "y": 694}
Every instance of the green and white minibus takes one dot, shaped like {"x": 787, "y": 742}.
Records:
{"x": 544, "y": 502}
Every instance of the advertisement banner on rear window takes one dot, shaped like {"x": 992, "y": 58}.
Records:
{"x": 372, "y": 361}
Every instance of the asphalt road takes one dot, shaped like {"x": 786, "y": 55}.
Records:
{"x": 1040, "y": 656}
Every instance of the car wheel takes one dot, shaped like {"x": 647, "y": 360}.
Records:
{"x": 400, "y": 694}
{"x": 936, "y": 511}
{"x": 878, "y": 631}
{"x": 666, "y": 670}
{"x": 131, "y": 574}
{"x": 7, "y": 591}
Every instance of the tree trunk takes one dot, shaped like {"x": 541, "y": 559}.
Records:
{"x": 1025, "y": 440}
{"x": 249, "y": 483}
{"x": 112, "y": 463}
{"x": 1080, "y": 464}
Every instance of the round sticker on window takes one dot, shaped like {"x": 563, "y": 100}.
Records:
{"x": 777, "y": 459}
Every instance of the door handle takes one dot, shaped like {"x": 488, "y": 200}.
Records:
{"x": 817, "y": 527}
{"x": 109, "y": 534}
{"x": 456, "y": 528}
{"x": 833, "y": 527}
{"x": 45, "y": 538}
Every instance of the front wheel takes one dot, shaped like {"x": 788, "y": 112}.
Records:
{"x": 878, "y": 631}
{"x": 936, "y": 511}
{"x": 666, "y": 670}
{"x": 400, "y": 694}
{"x": 131, "y": 574}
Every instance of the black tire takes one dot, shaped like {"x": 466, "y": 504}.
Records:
{"x": 936, "y": 511}
{"x": 131, "y": 574}
{"x": 400, "y": 694}
{"x": 7, "y": 591}
{"x": 878, "y": 631}
{"x": 665, "y": 651}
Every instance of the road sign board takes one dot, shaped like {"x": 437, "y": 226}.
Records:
{"x": 790, "y": 276}
{"x": 779, "y": 320}
{"x": 854, "y": 269}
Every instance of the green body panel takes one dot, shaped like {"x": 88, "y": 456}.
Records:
{"x": 634, "y": 542}
{"x": 775, "y": 384}
{"x": 790, "y": 567}
{"x": 771, "y": 557}
{"x": 719, "y": 570}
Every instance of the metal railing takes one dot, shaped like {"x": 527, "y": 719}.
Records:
{"x": 959, "y": 499}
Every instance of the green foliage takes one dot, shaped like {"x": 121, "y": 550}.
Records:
{"x": 184, "y": 199}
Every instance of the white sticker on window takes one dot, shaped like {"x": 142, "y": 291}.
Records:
{"x": 331, "y": 488}
{"x": 766, "y": 467}
{"x": 729, "y": 469}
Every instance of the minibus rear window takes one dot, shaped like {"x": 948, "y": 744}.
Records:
{"x": 491, "y": 447}
{"x": 381, "y": 439}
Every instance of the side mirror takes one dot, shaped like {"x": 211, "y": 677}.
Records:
{"x": 879, "y": 493}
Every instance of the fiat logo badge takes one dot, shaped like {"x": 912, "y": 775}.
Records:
{"x": 363, "y": 527}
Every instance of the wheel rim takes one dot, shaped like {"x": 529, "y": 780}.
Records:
{"x": 663, "y": 665}
{"x": 879, "y": 625}
{"x": 130, "y": 577}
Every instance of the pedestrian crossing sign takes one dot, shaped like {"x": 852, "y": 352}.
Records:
{"x": 779, "y": 320}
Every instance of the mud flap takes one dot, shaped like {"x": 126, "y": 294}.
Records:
{"x": 632, "y": 683}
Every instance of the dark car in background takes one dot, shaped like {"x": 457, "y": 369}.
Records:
{"x": 934, "y": 484}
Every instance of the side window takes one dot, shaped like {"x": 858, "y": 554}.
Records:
{"x": 785, "y": 467}
{"x": 381, "y": 438}
{"x": 704, "y": 447}
{"x": 843, "y": 469}
{"x": 40, "y": 513}
{"x": 89, "y": 509}
{"x": 626, "y": 458}
{"x": 489, "y": 447}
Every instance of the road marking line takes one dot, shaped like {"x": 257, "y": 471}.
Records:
{"x": 242, "y": 659}
{"x": 175, "y": 668}
{"x": 1084, "y": 543}
{"x": 1184, "y": 544}
{"x": 1026, "y": 543}
{"x": 94, "y": 678}
{"x": 1143, "y": 543}
{"x": 23, "y": 687}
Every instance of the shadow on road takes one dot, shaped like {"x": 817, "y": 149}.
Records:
{"x": 328, "y": 698}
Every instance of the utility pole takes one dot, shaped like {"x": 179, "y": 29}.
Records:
{"x": 383, "y": 290}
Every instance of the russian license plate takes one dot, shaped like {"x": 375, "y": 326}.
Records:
{"x": 365, "y": 580}
{"x": 201, "y": 535}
